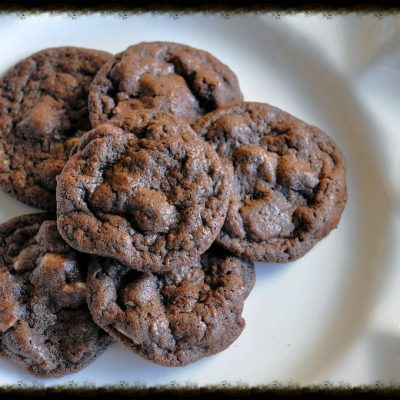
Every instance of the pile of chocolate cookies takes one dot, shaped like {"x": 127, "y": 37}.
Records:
{"x": 161, "y": 188}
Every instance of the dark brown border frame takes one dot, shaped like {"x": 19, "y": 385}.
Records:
{"x": 213, "y": 392}
{"x": 190, "y": 6}
{"x": 225, "y": 390}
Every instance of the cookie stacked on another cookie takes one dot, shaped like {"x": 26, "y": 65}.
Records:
{"x": 153, "y": 196}
{"x": 162, "y": 205}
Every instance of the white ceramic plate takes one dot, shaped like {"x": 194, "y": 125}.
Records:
{"x": 303, "y": 318}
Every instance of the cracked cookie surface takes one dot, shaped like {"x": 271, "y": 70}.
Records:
{"x": 172, "y": 318}
{"x": 164, "y": 76}
{"x": 45, "y": 324}
{"x": 43, "y": 111}
{"x": 154, "y": 196}
{"x": 289, "y": 186}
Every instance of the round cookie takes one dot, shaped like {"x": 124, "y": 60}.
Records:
{"x": 164, "y": 76}
{"x": 43, "y": 110}
{"x": 172, "y": 318}
{"x": 153, "y": 197}
{"x": 289, "y": 188}
{"x": 45, "y": 324}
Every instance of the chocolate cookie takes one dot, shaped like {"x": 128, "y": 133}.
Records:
{"x": 172, "y": 318}
{"x": 164, "y": 76}
{"x": 154, "y": 198}
{"x": 289, "y": 187}
{"x": 43, "y": 110}
{"x": 45, "y": 324}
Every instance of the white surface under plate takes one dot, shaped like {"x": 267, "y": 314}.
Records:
{"x": 309, "y": 321}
